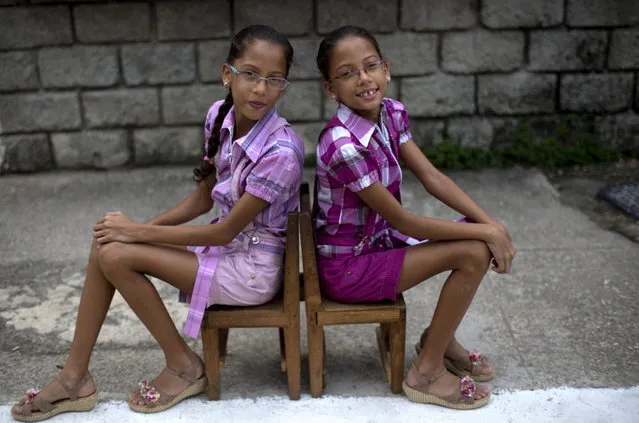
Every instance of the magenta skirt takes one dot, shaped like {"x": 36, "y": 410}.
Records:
{"x": 369, "y": 277}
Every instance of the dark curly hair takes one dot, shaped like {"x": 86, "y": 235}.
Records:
{"x": 238, "y": 46}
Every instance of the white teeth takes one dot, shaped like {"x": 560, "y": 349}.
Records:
{"x": 367, "y": 93}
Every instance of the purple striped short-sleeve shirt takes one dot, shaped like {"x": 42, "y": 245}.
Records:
{"x": 351, "y": 157}
{"x": 271, "y": 157}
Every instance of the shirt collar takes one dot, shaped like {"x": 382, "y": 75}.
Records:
{"x": 362, "y": 128}
{"x": 254, "y": 141}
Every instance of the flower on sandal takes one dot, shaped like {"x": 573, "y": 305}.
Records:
{"x": 467, "y": 387}
{"x": 476, "y": 358}
{"x": 31, "y": 394}
{"x": 148, "y": 392}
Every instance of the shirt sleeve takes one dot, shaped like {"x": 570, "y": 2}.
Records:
{"x": 349, "y": 162}
{"x": 276, "y": 175}
{"x": 399, "y": 116}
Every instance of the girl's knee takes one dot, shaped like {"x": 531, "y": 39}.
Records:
{"x": 112, "y": 256}
{"x": 477, "y": 256}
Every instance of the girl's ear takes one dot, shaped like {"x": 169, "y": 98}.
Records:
{"x": 328, "y": 87}
{"x": 387, "y": 71}
{"x": 226, "y": 75}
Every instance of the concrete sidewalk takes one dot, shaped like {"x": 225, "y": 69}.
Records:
{"x": 566, "y": 316}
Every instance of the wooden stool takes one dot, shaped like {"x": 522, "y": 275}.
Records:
{"x": 282, "y": 312}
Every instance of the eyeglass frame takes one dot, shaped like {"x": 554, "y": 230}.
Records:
{"x": 358, "y": 71}
{"x": 260, "y": 77}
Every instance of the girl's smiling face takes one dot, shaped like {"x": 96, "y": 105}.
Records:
{"x": 252, "y": 100}
{"x": 358, "y": 76}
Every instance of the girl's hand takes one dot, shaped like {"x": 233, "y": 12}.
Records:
{"x": 115, "y": 226}
{"x": 501, "y": 246}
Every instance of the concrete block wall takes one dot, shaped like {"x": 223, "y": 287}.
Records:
{"x": 102, "y": 84}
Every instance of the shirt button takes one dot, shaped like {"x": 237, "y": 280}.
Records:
{"x": 253, "y": 276}
{"x": 349, "y": 272}
{"x": 255, "y": 239}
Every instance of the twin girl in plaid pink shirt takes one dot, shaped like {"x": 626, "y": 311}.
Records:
{"x": 369, "y": 247}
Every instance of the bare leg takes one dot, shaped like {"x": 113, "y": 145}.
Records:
{"x": 468, "y": 261}
{"x": 125, "y": 265}
{"x": 97, "y": 294}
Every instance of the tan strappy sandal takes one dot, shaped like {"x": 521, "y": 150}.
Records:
{"x": 35, "y": 408}
{"x": 476, "y": 360}
{"x": 460, "y": 400}
{"x": 156, "y": 400}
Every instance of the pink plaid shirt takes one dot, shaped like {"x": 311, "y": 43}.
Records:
{"x": 266, "y": 163}
{"x": 352, "y": 154}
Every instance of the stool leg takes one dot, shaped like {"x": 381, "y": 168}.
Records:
{"x": 211, "y": 353}
{"x": 397, "y": 341}
{"x": 316, "y": 359}
{"x": 293, "y": 360}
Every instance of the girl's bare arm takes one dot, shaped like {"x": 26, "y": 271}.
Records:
{"x": 441, "y": 186}
{"x": 195, "y": 204}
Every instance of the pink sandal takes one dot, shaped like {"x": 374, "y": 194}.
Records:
{"x": 460, "y": 400}
{"x": 476, "y": 360}
{"x": 156, "y": 400}
{"x": 45, "y": 409}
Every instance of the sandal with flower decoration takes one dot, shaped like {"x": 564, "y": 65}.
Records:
{"x": 476, "y": 360}
{"x": 156, "y": 400}
{"x": 460, "y": 400}
{"x": 34, "y": 408}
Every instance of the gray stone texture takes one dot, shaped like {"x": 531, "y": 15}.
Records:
{"x": 309, "y": 133}
{"x": 471, "y": 132}
{"x": 596, "y": 92}
{"x": 376, "y": 16}
{"x": 25, "y": 27}
{"x": 189, "y": 104}
{"x": 291, "y": 17}
{"x": 482, "y": 51}
{"x": 166, "y": 63}
{"x": 602, "y": 12}
{"x": 167, "y": 145}
{"x": 25, "y": 153}
{"x": 121, "y": 107}
{"x": 302, "y": 101}
{"x": 557, "y": 50}
{"x": 536, "y": 128}
{"x": 18, "y": 71}
{"x": 78, "y": 66}
{"x": 211, "y": 57}
{"x": 516, "y": 93}
{"x": 304, "y": 60}
{"x": 620, "y": 131}
{"x": 39, "y": 112}
{"x": 624, "y": 49}
{"x": 438, "y": 95}
{"x": 95, "y": 23}
{"x": 522, "y": 13}
{"x": 427, "y": 133}
{"x": 193, "y": 19}
{"x": 409, "y": 53}
{"x": 91, "y": 149}
{"x": 423, "y": 15}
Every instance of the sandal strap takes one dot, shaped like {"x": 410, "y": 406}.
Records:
{"x": 183, "y": 376}
{"x": 465, "y": 393}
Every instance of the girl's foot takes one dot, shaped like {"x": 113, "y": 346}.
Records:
{"x": 169, "y": 387}
{"x": 64, "y": 393}
{"x": 462, "y": 362}
{"x": 445, "y": 389}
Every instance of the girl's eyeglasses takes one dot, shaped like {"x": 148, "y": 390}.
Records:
{"x": 251, "y": 77}
{"x": 370, "y": 68}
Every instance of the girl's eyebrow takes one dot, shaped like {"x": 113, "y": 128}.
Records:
{"x": 253, "y": 68}
{"x": 372, "y": 56}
